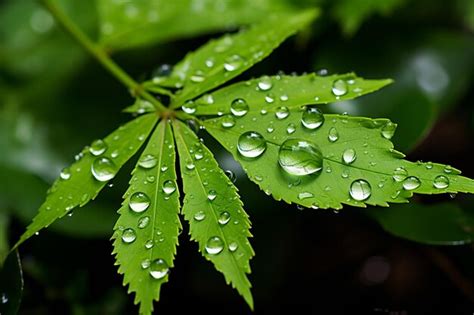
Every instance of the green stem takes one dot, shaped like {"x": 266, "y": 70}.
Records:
{"x": 99, "y": 54}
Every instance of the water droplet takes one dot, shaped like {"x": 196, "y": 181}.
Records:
{"x": 233, "y": 246}
{"x": 164, "y": 168}
{"x": 199, "y": 216}
{"x": 411, "y": 183}
{"x": 148, "y": 161}
{"x": 233, "y": 63}
{"x": 429, "y": 165}
{"x": 300, "y": 157}
{"x": 143, "y": 222}
{"x": 189, "y": 107}
{"x": 159, "y": 269}
{"x": 139, "y": 202}
{"x": 399, "y": 174}
{"x": 339, "y": 87}
{"x": 264, "y": 83}
{"x": 360, "y": 190}
{"x": 333, "y": 135}
{"x": 146, "y": 263}
{"x": 169, "y": 187}
{"x": 448, "y": 169}
{"x": 190, "y": 165}
{"x": 65, "y": 174}
{"x": 284, "y": 98}
{"x": 345, "y": 173}
{"x": 305, "y": 195}
{"x": 103, "y": 169}
{"x": 230, "y": 175}
{"x": 282, "y": 112}
{"x": 239, "y": 107}
{"x": 211, "y": 195}
{"x": 441, "y": 182}
{"x": 251, "y": 144}
{"x": 224, "y": 218}
{"x": 197, "y": 77}
{"x": 388, "y": 130}
{"x": 4, "y": 298}
{"x": 214, "y": 245}
{"x": 151, "y": 178}
{"x": 149, "y": 244}
{"x": 269, "y": 98}
{"x": 228, "y": 121}
{"x": 129, "y": 236}
{"x": 312, "y": 118}
{"x": 98, "y": 147}
{"x": 349, "y": 156}
{"x": 291, "y": 128}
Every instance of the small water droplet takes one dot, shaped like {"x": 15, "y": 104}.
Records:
{"x": 224, "y": 218}
{"x": 139, "y": 202}
{"x": 98, "y": 147}
{"x": 148, "y": 161}
{"x": 129, "y": 236}
{"x": 269, "y": 98}
{"x": 284, "y": 98}
{"x": 251, "y": 144}
{"x": 228, "y": 121}
{"x": 233, "y": 246}
{"x": 441, "y": 182}
{"x": 345, "y": 173}
{"x": 214, "y": 245}
{"x": 264, "y": 83}
{"x": 411, "y": 183}
{"x": 65, "y": 173}
{"x": 333, "y": 135}
{"x": 230, "y": 175}
{"x": 300, "y": 157}
{"x": 349, "y": 156}
{"x": 339, "y": 87}
{"x": 233, "y": 63}
{"x": 429, "y": 165}
{"x": 190, "y": 165}
{"x": 448, "y": 169}
{"x": 291, "y": 128}
{"x": 103, "y": 169}
{"x": 198, "y": 77}
{"x": 360, "y": 190}
{"x": 282, "y": 112}
{"x": 143, "y": 222}
{"x": 199, "y": 216}
{"x": 149, "y": 244}
{"x": 312, "y": 118}
{"x": 399, "y": 174}
{"x": 151, "y": 178}
{"x": 164, "y": 168}
{"x": 388, "y": 130}
{"x": 169, "y": 187}
{"x": 146, "y": 263}
{"x": 239, "y": 107}
{"x": 305, "y": 195}
{"x": 211, "y": 195}
{"x": 159, "y": 269}
{"x": 189, "y": 107}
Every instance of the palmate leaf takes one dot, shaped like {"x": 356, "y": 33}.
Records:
{"x": 214, "y": 211}
{"x": 77, "y": 185}
{"x": 288, "y": 91}
{"x": 359, "y": 164}
{"x": 127, "y": 24}
{"x": 221, "y": 60}
{"x": 146, "y": 234}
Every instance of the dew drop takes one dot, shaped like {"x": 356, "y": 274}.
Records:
{"x": 388, "y": 130}
{"x": 251, "y": 144}
{"x": 103, "y": 169}
{"x": 233, "y": 63}
{"x": 211, "y": 195}
{"x": 349, "y": 156}
{"x": 189, "y": 107}
{"x": 339, "y": 87}
{"x": 199, "y": 216}
{"x": 129, "y": 236}
{"x": 143, "y": 222}
{"x": 441, "y": 182}
{"x": 305, "y": 195}
{"x": 239, "y": 107}
{"x": 284, "y": 98}
{"x": 411, "y": 183}
{"x": 214, "y": 245}
{"x": 65, "y": 174}
{"x": 198, "y": 77}
{"x": 159, "y": 269}
{"x": 300, "y": 157}
{"x": 190, "y": 165}
{"x": 360, "y": 190}
{"x": 148, "y": 161}
{"x": 233, "y": 246}
{"x": 312, "y": 118}
{"x": 269, "y": 98}
{"x": 224, "y": 218}
{"x": 98, "y": 147}
{"x": 264, "y": 83}
{"x": 291, "y": 128}
{"x": 333, "y": 135}
{"x": 399, "y": 174}
{"x": 169, "y": 187}
{"x": 228, "y": 121}
{"x": 282, "y": 112}
{"x": 139, "y": 202}
{"x": 149, "y": 244}
{"x": 145, "y": 263}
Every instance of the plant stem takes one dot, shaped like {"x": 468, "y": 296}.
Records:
{"x": 100, "y": 55}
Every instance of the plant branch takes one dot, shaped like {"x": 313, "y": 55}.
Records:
{"x": 99, "y": 54}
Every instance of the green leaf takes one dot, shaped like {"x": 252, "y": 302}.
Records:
{"x": 4, "y": 247}
{"x": 220, "y": 60}
{"x": 375, "y": 161}
{"x": 127, "y": 24}
{"x": 214, "y": 211}
{"x": 11, "y": 285}
{"x": 288, "y": 91}
{"x": 352, "y": 13}
{"x": 81, "y": 186}
{"x": 438, "y": 224}
{"x": 149, "y": 218}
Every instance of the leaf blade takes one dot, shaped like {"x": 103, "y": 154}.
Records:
{"x": 233, "y": 263}
{"x": 81, "y": 186}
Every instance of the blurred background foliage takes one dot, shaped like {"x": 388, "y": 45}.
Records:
{"x": 54, "y": 99}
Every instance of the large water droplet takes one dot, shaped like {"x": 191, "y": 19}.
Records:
{"x": 143, "y": 222}
{"x": 265, "y": 83}
{"x": 214, "y": 245}
{"x": 233, "y": 63}
{"x": 199, "y": 216}
{"x": 139, "y": 202}
{"x": 98, "y": 147}
{"x": 65, "y": 174}
{"x": 159, "y": 269}
{"x": 251, "y": 144}
{"x": 360, "y": 190}
{"x": 411, "y": 183}
{"x": 312, "y": 118}
{"x": 224, "y": 218}
{"x": 339, "y": 87}
{"x": 103, "y": 169}
{"x": 388, "y": 130}
{"x": 349, "y": 156}
{"x": 148, "y": 161}
{"x": 441, "y": 182}
{"x": 169, "y": 187}
{"x": 300, "y": 157}
{"x": 399, "y": 174}
{"x": 282, "y": 112}
{"x": 239, "y": 107}
{"x": 333, "y": 135}
{"x": 129, "y": 236}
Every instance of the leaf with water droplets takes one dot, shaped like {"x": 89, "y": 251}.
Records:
{"x": 309, "y": 168}
{"x": 231, "y": 55}
{"x": 146, "y": 233}
{"x": 215, "y": 214}
{"x": 90, "y": 173}
{"x": 437, "y": 224}
{"x": 289, "y": 92}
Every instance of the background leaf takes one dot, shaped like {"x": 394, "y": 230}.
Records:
{"x": 78, "y": 186}
{"x": 146, "y": 233}
{"x": 11, "y": 284}
{"x": 214, "y": 211}
{"x": 4, "y": 247}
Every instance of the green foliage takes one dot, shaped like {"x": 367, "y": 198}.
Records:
{"x": 214, "y": 212}
{"x": 438, "y": 224}
{"x": 11, "y": 284}
{"x": 3, "y": 236}
{"x": 146, "y": 234}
